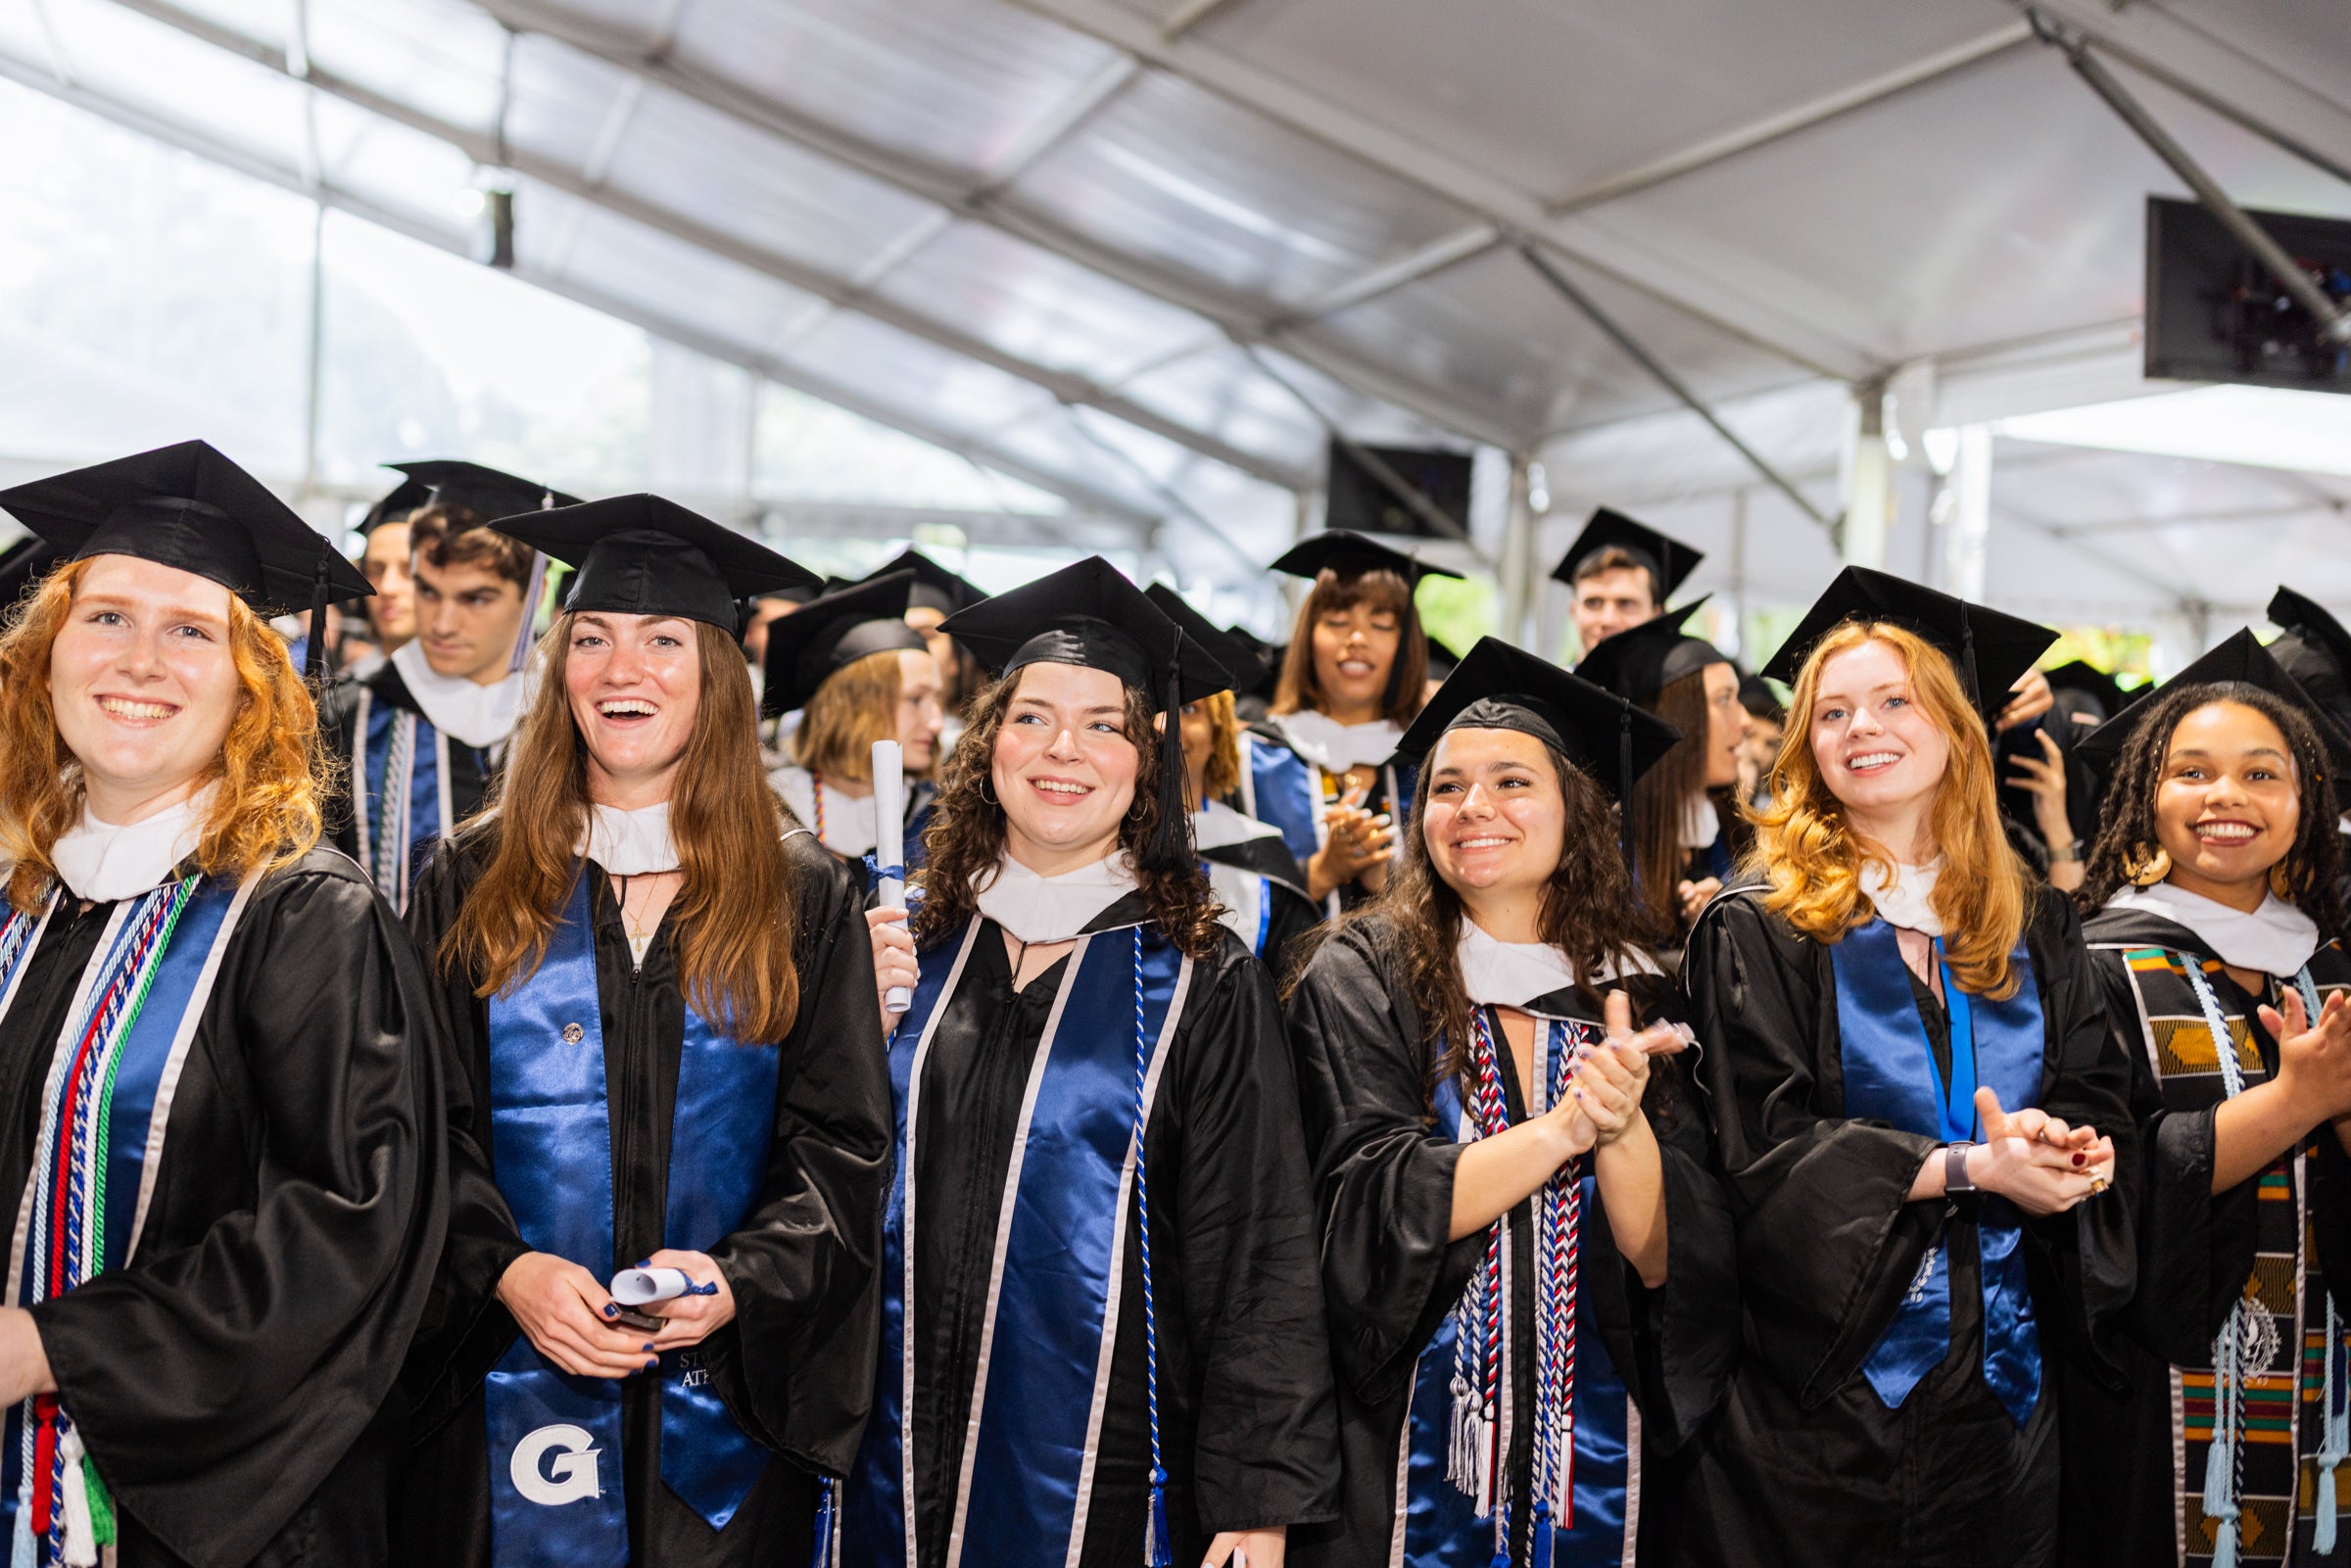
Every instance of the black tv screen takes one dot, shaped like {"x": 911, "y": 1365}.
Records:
{"x": 1358, "y": 500}
{"x": 2215, "y": 314}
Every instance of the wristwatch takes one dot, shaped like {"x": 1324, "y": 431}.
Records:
{"x": 1955, "y": 1171}
{"x": 2067, "y": 855}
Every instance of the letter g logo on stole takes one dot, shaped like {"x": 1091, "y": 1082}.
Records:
{"x": 571, "y": 1479}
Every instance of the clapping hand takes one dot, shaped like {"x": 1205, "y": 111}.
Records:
{"x": 2035, "y": 1161}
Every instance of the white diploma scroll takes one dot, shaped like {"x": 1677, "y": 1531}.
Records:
{"x": 636, "y": 1287}
{"x": 890, "y": 841}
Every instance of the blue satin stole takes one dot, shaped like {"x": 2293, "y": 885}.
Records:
{"x": 150, "y": 1056}
{"x": 556, "y": 1494}
{"x": 1891, "y": 1077}
{"x": 1045, "y": 1352}
{"x": 1438, "y": 1519}
{"x": 1284, "y": 794}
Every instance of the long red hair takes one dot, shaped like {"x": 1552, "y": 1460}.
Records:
{"x": 1813, "y": 858}
{"x": 270, "y": 772}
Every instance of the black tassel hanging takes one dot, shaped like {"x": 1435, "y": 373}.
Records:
{"x": 314, "y": 658}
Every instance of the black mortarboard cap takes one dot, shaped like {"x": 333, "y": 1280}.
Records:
{"x": 188, "y": 507}
{"x": 2087, "y": 680}
{"x": 2239, "y": 657}
{"x": 1239, "y": 661}
{"x": 1990, "y": 650}
{"x": 1498, "y": 687}
{"x": 1351, "y": 554}
{"x": 1669, "y": 559}
{"x": 1089, "y": 614}
{"x": 1640, "y": 662}
{"x": 2316, "y": 651}
{"x": 831, "y": 632}
{"x": 935, "y": 586}
{"x": 405, "y": 496}
{"x": 484, "y": 492}
{"x": 644, "y": 555}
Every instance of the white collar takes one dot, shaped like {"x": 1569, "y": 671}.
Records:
{"x": 1053, "y": 909}
{"x": 1220, "y": 825}
{"x": 1907, "y": 897}
{"x": 851, "y": 827}
{"x": 629, "y": 843}
{"x": 1336, "y": 747}
{"x": 103, "y": 861}
{"x": 1700, "y": 827}
{"x": 1499, "y": 974}
{"x": 2274, "y": 939}
{"x": 465, "y": 711}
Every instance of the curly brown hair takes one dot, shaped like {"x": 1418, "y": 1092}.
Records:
{"x": 1588, "y": 911}
{"x": 2314, "y": 865}
{"x": 965, "y": 841}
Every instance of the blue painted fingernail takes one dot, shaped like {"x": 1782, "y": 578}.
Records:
{"x": 649, "y": 1345}
{"x": 645, "y": 1263}
{"x": 611, "y": 1308}
{"x": 650, "y": 1365}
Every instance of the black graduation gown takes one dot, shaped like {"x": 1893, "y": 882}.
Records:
{"x": 1384, "y": 1178}
{"x": 470, "y": 768}
{"x": 1244, "y": 1367}
{"x": 2196, "y": 1252}
{"x": 234, "y": 1381}
{"x": 1286, "y": 918}
{"x": 794, "y": 1368}
{"x": 1808, "y": 1464}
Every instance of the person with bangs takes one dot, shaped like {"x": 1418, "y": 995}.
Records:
{"x": 660, "y": 998}
{"x": 223, "y": 1141}
{"x": 1103, "y": 1340}
{"x": 1260, "y": 891}
{"x": 1919, "y": 1110}
{"x": 1526, "y": 1255}
{"x": 419, "y": 738}
{"x": 2216, "y": 930}
{"x": 858, "y": 674}
{"x": 1682, "y": 840}
{"x": 1324, "y": 767}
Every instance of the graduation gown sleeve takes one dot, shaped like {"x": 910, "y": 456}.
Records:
{"x": 221, "y": 1374}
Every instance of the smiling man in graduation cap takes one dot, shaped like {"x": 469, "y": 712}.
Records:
{"x": 1621, "y": 573}
{"x": 420, "y": 738}
{"x": 223, "y": 1142}
{"x": 1104, "y": 1345}
{"x": 661, "y": 1000}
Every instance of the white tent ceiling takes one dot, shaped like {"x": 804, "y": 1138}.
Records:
{"x": 1139, "y": 251}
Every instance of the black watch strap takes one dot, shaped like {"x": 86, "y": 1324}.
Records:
{"x": 1955, "y": 1171}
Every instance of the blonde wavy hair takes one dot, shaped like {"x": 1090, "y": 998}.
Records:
{"x": 1222, "y": 775}
{"x": 1813, "y": 858}
{"x": 271, "y": 774}
{"x": 856, "y": 706}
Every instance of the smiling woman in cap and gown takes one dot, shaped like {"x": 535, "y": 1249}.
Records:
{"x": 419, "y": 738}
{"x": 1103, "y": 1341}
{"x": 858, "y": 674}
{"x": 1527, "y": 1253}
{"x": 1323, "y": 767}
{"x": 222, "y": 1134}
{"x": 2216, "y": 930}
{"x": 1919, "y": 1110}
{"x": 661, "y": 1000}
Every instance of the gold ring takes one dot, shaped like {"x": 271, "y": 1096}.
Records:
{"x": 2097, "y": 1185}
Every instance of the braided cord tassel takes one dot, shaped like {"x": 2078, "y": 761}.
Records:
{"x": 391, "y": 846}
{"x": 1475, "y": 1468}
{"x": 2223, "y": 1458}
{"x": 2335, "y": 1443}
{"x": 827, "y": 1525}
{"x": 1159, "y": 1548}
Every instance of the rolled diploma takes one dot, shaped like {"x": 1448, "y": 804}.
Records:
{"x": 634, "y": 1287}
{"x": 889, "y": 840}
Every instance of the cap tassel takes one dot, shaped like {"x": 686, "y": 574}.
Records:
{"x": 1170, "y": 845}
{"x": 1967, "y": 660}
{"x": 314, "y": 655}
{"x": 1624, "y": 782}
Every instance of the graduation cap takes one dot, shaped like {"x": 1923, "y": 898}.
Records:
{"x": 189, "y": 507}
{"x": 1352, "y": 554}
{"x": 2239, "y": 658}
{"x": 1442, "y": 660}
{"x": 1644, "y": 660}
{"x": 1669, "y": 560}
{"x": 1088, "y": 614}
{"x": 2316, "y": 651}
{"x": 1990, "y": 650}
{"x": 833, "y": 632}
{"x": 1498, "y": 687}
{"x": 644, "y": 555}
{"x": 1239, "y": 661}
{"x": 2086, "y": 680}
{"x": 22, "y": 564}
{"x": 935, "y": 586}
{"x": 406, "y": 496}
{"x": 484, "y": 492}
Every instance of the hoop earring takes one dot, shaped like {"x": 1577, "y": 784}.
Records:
{"x": 2146, "y": 871}
{"x": 984, "y": 795}
{"x": 2281, "y": 881}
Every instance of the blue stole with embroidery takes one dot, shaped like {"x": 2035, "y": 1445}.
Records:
{"x": 1045, "y": 1356}
{"x": 140, "y": 1046}
{"x": 1440, "y": 1524}
{"x": 1891, "y": 1077}
{"x": 556, "y": 1494}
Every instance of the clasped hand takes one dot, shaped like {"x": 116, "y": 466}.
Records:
{"x": 1605, "y": 1084}
{"x": 2037, "y": 1161}
{"x": 567, "y": 1313}
{"x": 2314, "y": 1059}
